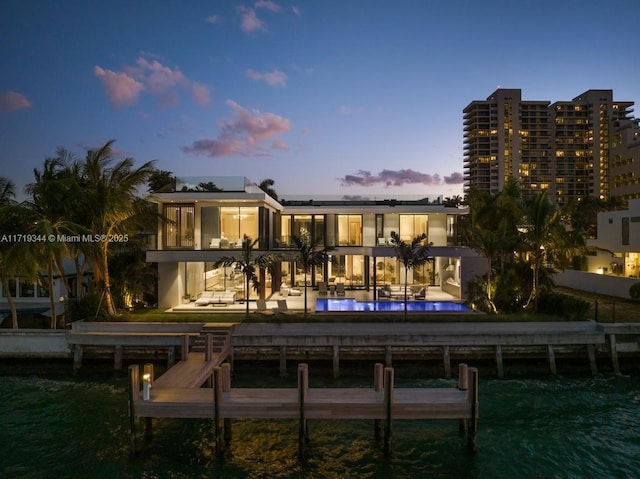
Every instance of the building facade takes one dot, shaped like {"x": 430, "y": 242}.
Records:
{"x": 204, "y": 225}
{"x": 573, "y": 149}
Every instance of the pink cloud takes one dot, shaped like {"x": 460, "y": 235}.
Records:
{"x": 279, "y": 145}
{"x": 397, "y": 178}
{"x": 121, "y": 89}
{"x": 267, "y": 5}
{"x": 275, "y": 78}
{"x": 295, "y": 10}
{"x": 243, "y": 134}
{"x": 249, "y": 21}
{"x": 214, "y": 19}
{"x": 124, "y": 88}
{"x": 12, "y": 101}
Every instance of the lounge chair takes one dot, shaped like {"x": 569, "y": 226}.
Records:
{"x": 340, "y": 289}
{"x": 323, "y": 290}
{"x": 286, "y": 290}
{"x": 421, "y": 294}
{"x": 204, "y": 299}
{"x": 283, "y": 307}
{"x": 261, "y": 307}
{"x": 215, "y": 243}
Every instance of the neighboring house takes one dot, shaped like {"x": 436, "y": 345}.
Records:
{"x": 208, "y": 217}
{"x": 32, "y": 298}
{"x": 617, "y": 249}
{"x": 613, "y": 264}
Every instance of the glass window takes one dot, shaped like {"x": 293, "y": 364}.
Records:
{"x": 27, "y": 289}
{"x": 13, "y": 288}
{"x": 236, "y": 222}
{"x": 412, "y": 226}
{"x": 179, "y": 229}
{"x": 349, "y": 230}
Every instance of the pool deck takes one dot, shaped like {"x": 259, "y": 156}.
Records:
{"x": 297, "y": 302}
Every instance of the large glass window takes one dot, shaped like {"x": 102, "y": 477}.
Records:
{"x": 349, "y": 229}
{"x": 412, "y": 226}
{"x": 236, "y": 222}
{"x": 309, "y": 227}
{"x": 179, "y": 229}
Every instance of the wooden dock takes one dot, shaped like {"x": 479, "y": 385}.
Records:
{"x": 170, "y": 396}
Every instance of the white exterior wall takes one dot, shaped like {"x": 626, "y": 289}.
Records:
{"x": 369, "y": 230}
{"x": 438, "y": 230}
{"x": 169, "y": 285}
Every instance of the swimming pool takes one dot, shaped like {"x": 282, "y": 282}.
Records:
{"x": 349, "y": 304}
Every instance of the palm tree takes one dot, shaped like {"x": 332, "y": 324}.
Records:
{"x": 307, "y": 256}
{"x": 9, "y": 260}
{"x": 266, "y": 186}
{"x": 492, "y": 229}
{"x": 110, "y": 196}
{"x": 249, "y": 265}
{"x": 411, "y": 255}
{"x": 48, "y": 210}
{"x": 545, "y": 237}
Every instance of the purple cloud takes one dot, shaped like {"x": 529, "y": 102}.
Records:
{"x": 123, "y": 89}
{"x": 397, "y": 178}
{"x": 11, "y": 101}
{"x": 244, "y": 134}
{"x": 275, "y": 78}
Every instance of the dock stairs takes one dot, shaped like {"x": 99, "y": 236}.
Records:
{"x": 208, "y": 351}
{"x": 220, "y": 334}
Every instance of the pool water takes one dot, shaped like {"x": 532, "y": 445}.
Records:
{"x": 350, "y": 304}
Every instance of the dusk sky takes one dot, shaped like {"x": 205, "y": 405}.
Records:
{"x": 325, "y": 97}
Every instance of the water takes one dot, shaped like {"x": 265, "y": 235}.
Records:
{"x": 577, "y": 427}
{"x": 349, "y": 304}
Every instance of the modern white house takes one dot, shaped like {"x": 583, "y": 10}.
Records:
{"x": 613, "y": 264}
{"x": 208, "y": 218}
{"x": 617, "y": 248}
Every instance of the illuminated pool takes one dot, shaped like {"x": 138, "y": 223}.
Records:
{"x": 350, "y": 304}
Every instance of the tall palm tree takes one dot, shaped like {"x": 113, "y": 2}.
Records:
{"x": 249, "y": 265}
{"x": 110, "y": 196}
{"x": 545, "y": 237}
{"x": 411, "y": 255}
{"x": 9, "y": 260}
{"x": 307, "y": 255}
{"x": 49, "y": 217}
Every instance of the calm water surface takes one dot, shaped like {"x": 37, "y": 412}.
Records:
{"x": 60, "y": 427}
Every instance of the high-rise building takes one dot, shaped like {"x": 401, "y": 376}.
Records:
{"x": 565, "y": 147}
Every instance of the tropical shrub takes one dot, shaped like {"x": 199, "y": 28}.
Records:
{"x": 634, "y": 291}
{"x": 571, "y": 309}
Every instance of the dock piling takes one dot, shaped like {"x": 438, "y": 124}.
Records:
{"x": 592, "y": 359}
{"x": 283, "y": 361}
{"x": 134, "y": 395}
{"x": 613, "y": 351}
{"x": 117, "y": 358}
{"x": 303, "y": 390}
{"x": 475, "y": 409}
{"x": 446, "y": 358}
{"x": 336, "y": 361}
{"x": 552, "y": 359}
{"x": 388, "y": 405}
{"x": 499, "y": 363}
{"x": 378, "y": 382}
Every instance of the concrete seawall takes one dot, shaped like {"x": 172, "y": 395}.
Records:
{"x": 598, "y": 345}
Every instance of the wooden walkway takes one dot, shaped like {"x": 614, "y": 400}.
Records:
{"x": 211, "y": 348}
{"x": 382, "y": 403}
